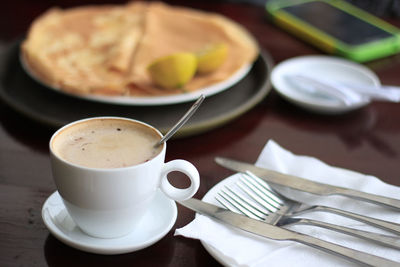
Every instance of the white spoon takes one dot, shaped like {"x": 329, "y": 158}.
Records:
{"x": 315, "y": 87}
{"x": 347, "y": 92}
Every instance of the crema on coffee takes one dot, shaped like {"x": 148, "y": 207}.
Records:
{"x": 106, "y": 143}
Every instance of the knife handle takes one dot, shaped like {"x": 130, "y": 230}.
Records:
{"x": 347, "y": 253}
{"x": 375, "y": 199}
{"x": 385, "y": 225}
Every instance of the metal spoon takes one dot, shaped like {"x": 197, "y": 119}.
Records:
{"x": 316, "y": 88}
{"x": 182, "y": 121}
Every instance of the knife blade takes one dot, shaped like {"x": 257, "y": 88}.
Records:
{"x": 305, "y": 185}
{"x": 276, "y": 233}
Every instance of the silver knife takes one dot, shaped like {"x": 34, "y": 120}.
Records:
{"x": 277, "y": 233}
{"x": 305, "y": 185}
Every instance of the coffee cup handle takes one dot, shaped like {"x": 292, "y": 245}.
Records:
{"x": 189, "y": 170}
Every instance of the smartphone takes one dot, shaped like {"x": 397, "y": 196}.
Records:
{"x": 337, "y": 27}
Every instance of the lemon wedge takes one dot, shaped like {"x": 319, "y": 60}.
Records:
{"x": 173, "y": 71}
{"x": 211, "y": 57}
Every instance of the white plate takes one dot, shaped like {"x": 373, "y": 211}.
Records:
{"x": 210, "y": 198}
{"x": 157, "y": 222}
{"x": 154, "y": 100}
{"x": 334, "y": 68}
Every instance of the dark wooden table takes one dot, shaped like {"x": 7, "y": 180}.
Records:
{"x": 367, "y": 140}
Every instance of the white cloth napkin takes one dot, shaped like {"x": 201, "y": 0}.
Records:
{"x": 236, "y": 248}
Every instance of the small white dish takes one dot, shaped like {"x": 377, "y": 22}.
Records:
{"x": 156, "y": 223}
{"x": 329, "y": 67}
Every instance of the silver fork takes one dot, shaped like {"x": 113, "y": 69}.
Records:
{"x": 298, "y": 208}
{"x": 268, "y": 205}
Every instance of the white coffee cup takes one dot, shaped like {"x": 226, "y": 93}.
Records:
{"x": 109, "y": 202}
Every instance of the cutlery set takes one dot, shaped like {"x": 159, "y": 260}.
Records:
{"x": 264, "y": 199}
{"x": 252, "y": 204}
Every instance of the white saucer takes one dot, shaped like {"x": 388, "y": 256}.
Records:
{"x": 157, "y": 222}
{"x": 331, "y": 67}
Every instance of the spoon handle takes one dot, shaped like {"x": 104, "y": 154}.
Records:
{"x": 182, "y": 121}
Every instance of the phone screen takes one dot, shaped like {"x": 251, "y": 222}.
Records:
{"x": 337, "y": 23}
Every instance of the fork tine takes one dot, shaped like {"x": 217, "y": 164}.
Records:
{"x": 240, "y": 204}
{"x": 264, "y": 187}
{"x": 260, "y": 210}
{"x": 262, "y": 190}
{"x": 224, "y": 202}
{"x": 255, "y": 195}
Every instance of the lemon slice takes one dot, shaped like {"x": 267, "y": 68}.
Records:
{"x": 173, "y": 71}
{"x": 211, "y": 57}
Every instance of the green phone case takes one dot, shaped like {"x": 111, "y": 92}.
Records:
{"x": 360, "y": 53}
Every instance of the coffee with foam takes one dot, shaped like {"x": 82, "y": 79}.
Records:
{"x": 106, "y": 143}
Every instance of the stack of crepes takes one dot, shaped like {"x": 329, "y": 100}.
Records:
{"x": 107, "y": 49}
